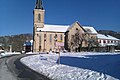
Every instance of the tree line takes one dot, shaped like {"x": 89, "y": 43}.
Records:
{"x": 16, "y": 41}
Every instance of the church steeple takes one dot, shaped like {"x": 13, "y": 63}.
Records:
{"x": 39, "y": 4}
{"x": 38, "y": 23}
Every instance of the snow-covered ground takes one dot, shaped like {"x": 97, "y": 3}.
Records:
{"x": 4, "y": 54}
{"x": 76, "y": 66}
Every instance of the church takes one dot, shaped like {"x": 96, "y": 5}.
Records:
{"x": 50, "y": 37}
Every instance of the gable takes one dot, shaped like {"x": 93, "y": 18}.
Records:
{"x": 76, "y": 26}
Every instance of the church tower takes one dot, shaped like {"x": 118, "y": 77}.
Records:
{"x": 38, "y": 23}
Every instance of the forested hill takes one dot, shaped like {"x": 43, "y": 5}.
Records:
{"x": 109, "y": 32}
{"x": 16, "y": 41}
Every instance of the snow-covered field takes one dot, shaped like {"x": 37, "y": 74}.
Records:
{"x": 76, "y": 66}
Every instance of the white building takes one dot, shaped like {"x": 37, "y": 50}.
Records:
{"x": 107, "y": 40}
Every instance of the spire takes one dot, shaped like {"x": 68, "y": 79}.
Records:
{"x": 39, "y": 4}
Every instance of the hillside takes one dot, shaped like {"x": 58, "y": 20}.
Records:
{"x": 16, "y": 41}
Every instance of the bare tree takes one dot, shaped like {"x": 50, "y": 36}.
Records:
{"x": 76, "y": 41}
{"x": 92, "y": 42}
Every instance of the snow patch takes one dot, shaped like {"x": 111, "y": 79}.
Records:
{"x": 46, "y": 64}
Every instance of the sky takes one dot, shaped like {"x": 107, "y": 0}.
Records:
{"x": 16, "y": 16}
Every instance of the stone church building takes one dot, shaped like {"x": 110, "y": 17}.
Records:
{"x": 48, "y": 37}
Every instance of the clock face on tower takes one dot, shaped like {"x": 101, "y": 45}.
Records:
{"x": 39, "y": 17}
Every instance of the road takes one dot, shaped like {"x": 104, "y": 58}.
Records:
{"x": 5, "y": 74}
{"x": 12, "y": 69}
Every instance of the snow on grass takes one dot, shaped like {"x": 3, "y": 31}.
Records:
{"x": 76, "y": 66}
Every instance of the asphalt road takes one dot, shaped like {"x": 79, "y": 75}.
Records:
{"x": 12, "y": 69}
{"x": 5, "y": 74}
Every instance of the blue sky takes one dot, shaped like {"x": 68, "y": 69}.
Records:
{"x": 16, "y": 16}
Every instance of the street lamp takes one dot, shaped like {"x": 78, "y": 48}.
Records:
{"x": 55, "y": 40}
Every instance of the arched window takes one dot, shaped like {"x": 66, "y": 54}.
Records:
{"x": 45, "y": 37}
{"x": 61, "y": 37}
{"x": 50, "y": 38}
{"x": 39, "y": 16}
{"x": 55, "y": 37}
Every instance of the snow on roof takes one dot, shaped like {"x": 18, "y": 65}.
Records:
{"x": 54, "y": 28}
{"x": 64, "y": 28}
{"x": 90, "y": 29}
{"x": 28, "y": 43}
{"x": 108, "y": 37}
